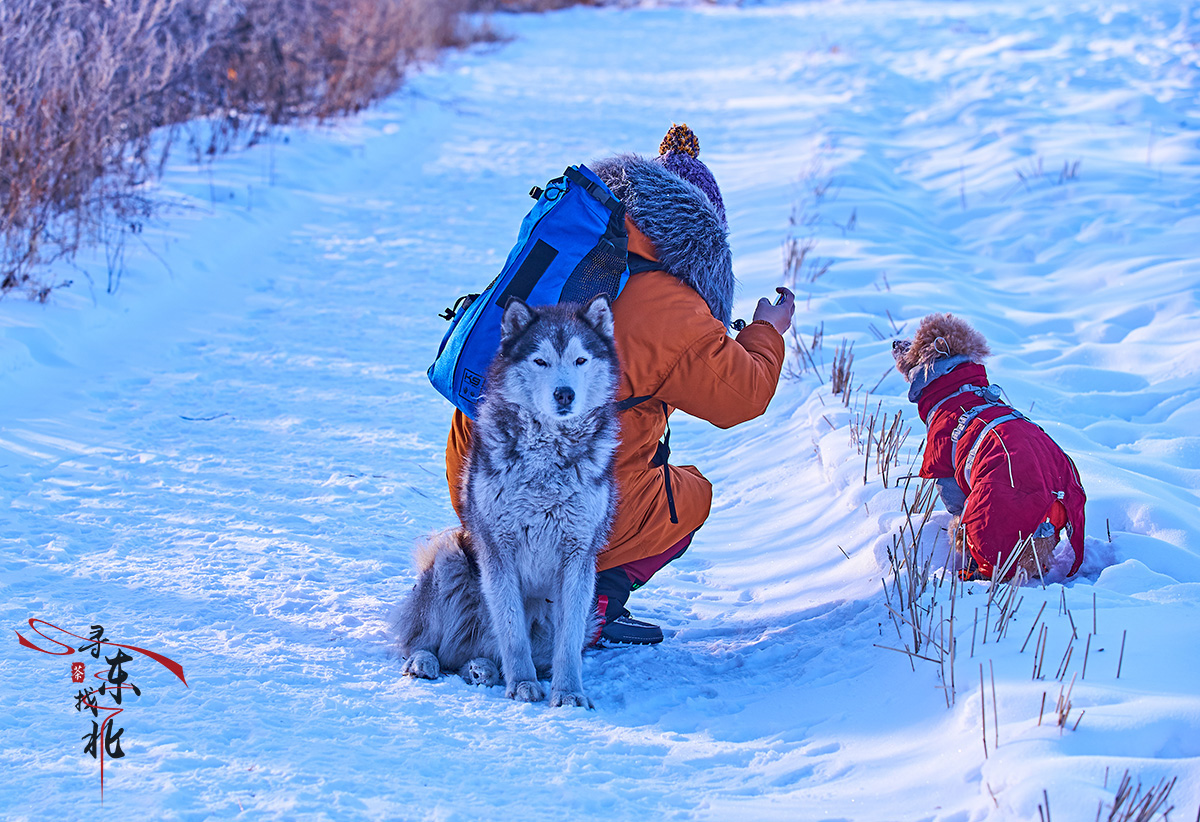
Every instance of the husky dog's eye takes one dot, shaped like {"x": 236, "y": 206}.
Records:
{"x": 541, "y": 362}
{"x": 581, "y": 361}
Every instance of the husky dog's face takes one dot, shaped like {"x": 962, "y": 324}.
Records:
{"x": 558, "y": 361}
{"x": 938, "y": 336}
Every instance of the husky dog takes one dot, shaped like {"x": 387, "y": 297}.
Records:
{"x": 516, "y": 584}
{"x": 1010, "y": 487}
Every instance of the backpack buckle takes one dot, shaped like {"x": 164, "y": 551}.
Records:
{"x": 450, "y": 313}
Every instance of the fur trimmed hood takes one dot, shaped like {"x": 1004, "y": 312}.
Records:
{"x": 680, "y": 220}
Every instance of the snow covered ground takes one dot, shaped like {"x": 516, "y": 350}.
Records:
{"x": 228, "y": 460}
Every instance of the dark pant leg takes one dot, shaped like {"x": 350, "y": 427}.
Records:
{"x": 615, "y": 584}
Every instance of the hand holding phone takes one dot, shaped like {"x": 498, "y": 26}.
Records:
{"x": 778, "y": 313}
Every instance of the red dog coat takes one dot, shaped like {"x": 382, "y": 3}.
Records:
{"x": 1014, "y": 475}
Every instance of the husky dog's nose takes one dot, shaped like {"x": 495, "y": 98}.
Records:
{"x": 897, "y": 345}
{"x": 564, "y": 396}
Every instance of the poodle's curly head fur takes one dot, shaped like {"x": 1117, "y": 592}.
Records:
{"x": 939, "y": 336}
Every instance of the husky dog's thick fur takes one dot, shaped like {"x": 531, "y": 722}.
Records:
{"x": 515, "y": 585}
{"x": 1011, "y": 488}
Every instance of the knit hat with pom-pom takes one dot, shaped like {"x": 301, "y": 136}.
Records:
{"x": 674, "y": 201}
{"x": 680, "y": 153}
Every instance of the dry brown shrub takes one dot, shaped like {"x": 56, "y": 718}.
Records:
{"x": 86, "y": 83}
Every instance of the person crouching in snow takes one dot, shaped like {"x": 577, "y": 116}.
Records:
{"x": 671, "y": 324}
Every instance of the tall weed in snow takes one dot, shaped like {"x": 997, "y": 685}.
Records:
{"x": 86, "y": 83}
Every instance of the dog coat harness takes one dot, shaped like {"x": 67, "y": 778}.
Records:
{"x": 991, "y": 399}
{"x": 966, "y": 389}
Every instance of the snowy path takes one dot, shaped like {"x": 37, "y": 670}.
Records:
{"x": 229, "y": 462}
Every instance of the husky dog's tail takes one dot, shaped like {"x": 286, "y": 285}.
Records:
{"x": 445, "y": 614}
{"x": 448, "y": 542}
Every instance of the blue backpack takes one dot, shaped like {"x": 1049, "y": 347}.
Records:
{"x": 572, "y": 247}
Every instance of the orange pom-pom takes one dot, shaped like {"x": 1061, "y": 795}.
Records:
{"x": 680, "y": 138}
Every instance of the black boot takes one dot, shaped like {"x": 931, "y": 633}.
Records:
{"x": 625, "y": 630}
{"x": 613, "y": 587}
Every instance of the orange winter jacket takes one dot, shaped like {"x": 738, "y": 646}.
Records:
{"x": 673, "y": 350}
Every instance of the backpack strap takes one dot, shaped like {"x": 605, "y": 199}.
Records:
{"x": 639, "y": 264}
{"x": 626, "y": 404}
{"x": 661, "y": 454}
{"x": 601, "y": 195}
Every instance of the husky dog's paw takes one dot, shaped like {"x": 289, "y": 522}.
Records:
{"x": 566, "y": 699}
{"x": 481, "y": 671}
{"x": 525, "y": 691}
{"x": 422, "y": 665}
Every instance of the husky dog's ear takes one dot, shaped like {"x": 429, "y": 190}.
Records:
{"x": 517, "y": 317}
{"x": 598, "y": 315}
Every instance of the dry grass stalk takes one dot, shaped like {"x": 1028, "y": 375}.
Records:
{"x": 974, "y": 628}
{"x": 995, "y": 709}
{"x": 891, "y": 439}
{"x": 1035, "y": 624}
{"x": 1065, "y": 663}
{"x": 1063, "y": 709}
{"x": 1045, "y": 817}
{"x": 799, "y": 263}
{"x": 795, "y": 252}
{"x": 882, "y": 377}
{"x": 1008, "y": 616}
{"x": 1121, "y": 658}
{"x": 841, "y": 375}
{"x": 983, "y": 711}
{"x": 804, "y": 354}
{"x": 1004, "y": 571}
{"x": 860, "y": 421}
{"x": 920, "y": 621}
{"x": 1040, "y": 652}
{"x": 1131, "y": 805}
{"x": 869, "y": 432}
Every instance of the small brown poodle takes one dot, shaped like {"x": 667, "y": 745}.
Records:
{"x": 1011, "y": 489}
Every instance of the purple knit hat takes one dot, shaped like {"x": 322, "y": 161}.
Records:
{"x": 680, "y": 153}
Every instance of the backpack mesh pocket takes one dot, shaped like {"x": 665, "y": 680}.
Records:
{"x": 599, "y": 272}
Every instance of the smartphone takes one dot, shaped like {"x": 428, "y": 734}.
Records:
{"x": 779, "y": 299}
